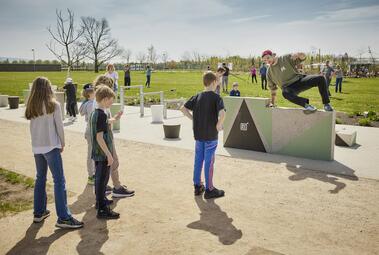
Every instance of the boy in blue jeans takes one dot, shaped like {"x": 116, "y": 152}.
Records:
{"x": 208, "y": 115}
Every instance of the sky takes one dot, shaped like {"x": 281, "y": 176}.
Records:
{"x": 209, "y": 27}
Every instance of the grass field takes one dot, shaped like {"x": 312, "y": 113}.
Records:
{"x": 358, "y": 94}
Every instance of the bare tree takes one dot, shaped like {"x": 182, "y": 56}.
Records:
{"x": 127, "y": 54}
{"x": 152, "y": 55}
{"x": 101, "y": 46}
{"x": 65, "y": 35}
{"x": 141, "y": 57}
{"x": 79, "y": 52}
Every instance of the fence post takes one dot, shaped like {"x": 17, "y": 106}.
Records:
{"x": 122, "y": 98}
{"x": 141, "y": 101}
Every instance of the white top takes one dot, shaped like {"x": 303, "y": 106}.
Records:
{"x": 47, "y": 131}
{"x": 114, "y": 76}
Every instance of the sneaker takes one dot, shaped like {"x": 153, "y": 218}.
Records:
{"x": 122, "y": 192}
{"x": 69, "y": 223}
{"x": 107, "y": 203}
{"x": 108, "y": 190}
{"x": 199, "y": 189}
{"x": 309, "y": 108}
{"x": 214, "y": 193}
{"x": 40, "y": 217}
{"x": 328, "y": 108}
{"x": 91, "y": 180}
{"x": 107, "y": 213}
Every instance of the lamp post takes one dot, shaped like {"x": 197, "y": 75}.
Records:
{"x": 34, "y": 60}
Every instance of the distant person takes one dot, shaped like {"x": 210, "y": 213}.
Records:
{"x": 328, "y": 72}
{"x": 111, "y": 72}
{"x": 47, "y": 135}
{"x": 148, "y": 76}
{"x": 208, "y": 115}
{"x": 71, "y": 103}
{"x": 253, "y": 73}
{"x": 127, "y": 78}
{"x": 86, "y": 108}
{"x": 225, "y": 78}
{"x": 220, "y": 72}
{"x": 339, "y": 77}
{"x": 235, "y": 92}
{"x": 263, "y": 72}
{"x": 283, "y": 73}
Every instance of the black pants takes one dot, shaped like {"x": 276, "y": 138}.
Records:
{"x": 71, "y": 108}
{"x": 127, "y": 81}
{"x": 308, "y": 81}
{"x": 101, "y": 181}
{"x": 264, "y": 81}
{"x": 254, "y": 77}
{"x": 147, "y": 84}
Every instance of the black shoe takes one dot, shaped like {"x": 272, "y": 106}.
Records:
{"x": 40, "y": 217}
{"x": 214, "y": 193}
{"x": 122, "y": 192}
{"x": 199, "y": 189}
{"x": 69, "y": 223}
{"x": 107, "y": 213}
{"x": 107, "y": 202}
{"x": 108, "y": 190}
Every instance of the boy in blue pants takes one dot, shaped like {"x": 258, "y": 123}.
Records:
{"x": 208, "y": 115}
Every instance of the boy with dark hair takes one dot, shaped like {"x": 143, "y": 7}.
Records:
{"x": 208, "y": 116}
{"x": 102, "y": 144}
{"x": 284, "y": 74}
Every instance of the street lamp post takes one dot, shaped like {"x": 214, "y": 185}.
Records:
{"x": 34, "y": 60}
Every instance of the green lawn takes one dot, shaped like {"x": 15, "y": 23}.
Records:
{"x": 358, "y": 94}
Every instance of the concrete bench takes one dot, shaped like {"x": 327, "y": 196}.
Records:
{"x": 346, "y": 138}
{"x": 250, "y": 125}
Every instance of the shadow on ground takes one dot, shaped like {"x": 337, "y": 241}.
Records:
{"x": 215, "y": 221}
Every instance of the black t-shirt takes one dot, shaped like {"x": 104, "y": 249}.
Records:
{"x": 102, "y": 123}
{"x": 226, "y": 71}
{"x": 70, "y": 92}
{"x": 205, "y": 107}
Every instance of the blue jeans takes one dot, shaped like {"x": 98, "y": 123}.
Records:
{"x": 204, "y": 154}
{"x": 339, "y": 84}
{"x": 53, "y": 160}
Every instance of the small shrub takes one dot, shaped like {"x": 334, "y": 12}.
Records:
{"x": 357, "y": 113}
{"x": 364, "y": 122}
{"x": 351, "y": 115}
{"x": 372, "y": 116}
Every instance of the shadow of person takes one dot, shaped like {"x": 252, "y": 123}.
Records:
{"x": 302, "y": 174}
{"x": 95, "y": 233}
{"x": 215, "y": 221}
{"x": 30, "y": 245}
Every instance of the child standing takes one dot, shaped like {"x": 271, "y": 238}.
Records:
{"x": 71, "y": 98}
{"x": 208, "y": 115}
{"x": 148, "y": 76}
{"x": 86, "y": 109}
{"x": 46, "y": 129}
{"x": 102, "y": 143}
{"x": 253, "y": 72}
{"x": 118, "y": 190}
{"x": 235, "y": 92}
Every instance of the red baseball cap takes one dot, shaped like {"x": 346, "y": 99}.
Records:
{"x": 266, "y": 52}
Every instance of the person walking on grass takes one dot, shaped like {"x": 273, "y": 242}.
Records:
{"x": 208, "y": 116}
{"x": 263, "y": 72}
{"x": 253, "y": 73}
{"x": 111, "y": 73}
{"x": 339, "y": 78}
{"x": 328, "y": 71}
{"x": 47, "y": 134}
{"x": 225, "y": 78}
{"x": 127, "y": 78}
{"x": 148, "y": 76}
{"x": 282, "y": 73}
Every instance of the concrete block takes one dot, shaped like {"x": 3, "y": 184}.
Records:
{"x": 3, "y": 100}
{"x": 115, "y": 108}
{"x": 249, "y": 124}
{"x": 346, "y": 138}
{"x": 61, "y": 99}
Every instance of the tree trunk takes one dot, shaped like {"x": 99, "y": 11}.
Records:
{"x": 96, "y": 66}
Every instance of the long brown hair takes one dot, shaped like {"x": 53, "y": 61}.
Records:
{"x": 41, "y": 100}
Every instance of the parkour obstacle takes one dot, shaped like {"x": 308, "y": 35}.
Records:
{"x": 250, "y": 125}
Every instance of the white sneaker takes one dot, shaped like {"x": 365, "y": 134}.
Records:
{"x": 309, "y": 108}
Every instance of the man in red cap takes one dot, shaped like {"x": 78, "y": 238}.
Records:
{"x": 282, "y": 72}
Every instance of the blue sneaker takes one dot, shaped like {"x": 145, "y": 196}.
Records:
{"x": 328, "y": 108}
{"x": 309, "y": 109}
{"x": 40, "y": 217}
{"x": 70, "y": 223}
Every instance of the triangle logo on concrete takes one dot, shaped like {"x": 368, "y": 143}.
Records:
{"x": 244, "y": 133}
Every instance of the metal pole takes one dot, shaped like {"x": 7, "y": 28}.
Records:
{"x": 122, "y": 98}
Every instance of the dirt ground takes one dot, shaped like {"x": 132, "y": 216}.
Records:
{"x": 268, "y": 208}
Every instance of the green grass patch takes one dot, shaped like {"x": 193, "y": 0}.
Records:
{"x": 358, "y": 94}
{"x": 15, "y": 178}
